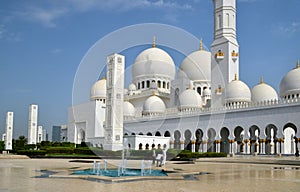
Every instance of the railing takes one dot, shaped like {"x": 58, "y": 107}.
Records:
{"x": 175, "y": 112}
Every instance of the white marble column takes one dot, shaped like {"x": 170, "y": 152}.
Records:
{"x": 193, "y": 142}
{"x": 182, "y": 144}
{"x": 218, "y": 146}
{"x": 171, "y": 144}
{"x": 204, "y": 144}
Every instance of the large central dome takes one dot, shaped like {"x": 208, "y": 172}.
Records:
{"x": 196, "y": 66}
{"x": 153, "y": 62}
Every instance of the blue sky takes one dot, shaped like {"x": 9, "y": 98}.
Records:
{"x": 42, "y": 43}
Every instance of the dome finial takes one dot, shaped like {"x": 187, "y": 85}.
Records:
{"x": 201, "y": 45}
{"x": 103, "y": 77}
{"x": 154, "y": 42}
{"x": 261, "y": 80}
{"x": 297, "y": 64}
{"x": 235, "y": 77}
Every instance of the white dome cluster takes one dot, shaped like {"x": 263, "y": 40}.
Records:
{"x": 263, "y": 92}
{"x": 196, "y": 66}
{"x": 237, "y": 92}
{"x": 190, "y": 99}
{"x": 153, "y": 61}
{"x": 128, "y": 109}
{"x": 98, "y": 90}
{"x": 290, "y": 83}
{"x": 154, "y": 105}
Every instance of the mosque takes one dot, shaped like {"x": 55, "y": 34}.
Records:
{"x": 202, "y": 106}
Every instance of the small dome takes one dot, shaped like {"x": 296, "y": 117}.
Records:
{"x": 153, "y": 61}
{"x": 190, "y": 99}
{"x": 196, "y": 66}
{"x": 263, "y": 92}
{"x": 132, "y": 87}
{"x": 128, "y": 109}
{"x": 237, "y": 91}
{"x": 290, "y": 83}
{"x": 154, "y": 104}
{"x": 98, "y": 90}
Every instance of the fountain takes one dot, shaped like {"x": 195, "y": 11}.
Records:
{"x": 122, "y": 170}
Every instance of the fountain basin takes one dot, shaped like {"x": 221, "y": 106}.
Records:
{"x": 114, "y": 172}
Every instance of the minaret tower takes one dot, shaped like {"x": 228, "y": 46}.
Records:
{"x": 9, "y": 130}
{"x": 114, "y": 103}
{"x": 224, "y": 49}
{"x": 32, "y": 124}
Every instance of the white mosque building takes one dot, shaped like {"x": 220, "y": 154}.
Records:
{"x": 202, "y": 107}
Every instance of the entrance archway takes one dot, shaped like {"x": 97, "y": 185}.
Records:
{"x": 224, "y": 140}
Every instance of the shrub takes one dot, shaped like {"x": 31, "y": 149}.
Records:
{"x": 32, "y": 153}
{"x": 60, "y": 150}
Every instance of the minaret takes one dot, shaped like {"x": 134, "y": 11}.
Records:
{"x": 114, "y": 103}
{"x": 9, "y": 130}
{"x": 32, "y": 124}
{"x": 224, "y": 49}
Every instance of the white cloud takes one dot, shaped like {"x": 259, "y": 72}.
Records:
{"x": 50, "y": 12}
{"x": 56, "y": 51}
{"x": 46, "y": 17}
{"x": 286, "y": 29}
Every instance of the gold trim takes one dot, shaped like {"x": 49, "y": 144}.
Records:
{"x": 235, "y": 77}
{"x": 297, "y": 64}
{"x": 201, "y": 45}
{"x": 154, "y": 42}
{"x": 261, "y": 80}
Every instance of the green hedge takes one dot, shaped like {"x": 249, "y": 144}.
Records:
{"x": 32, "y": 153}
{"x": 189, "y": 154}
{"x": 60, "y": 150}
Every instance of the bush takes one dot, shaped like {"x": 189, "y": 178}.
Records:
{"x": 60, "y": 150}
{"x": 32, "y": 153}
{"x": 84, "y": 151}
{"x": 185, "y": 154}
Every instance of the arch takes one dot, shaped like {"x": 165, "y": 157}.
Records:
{"x": 143, "y": 84}
{"x": 140, "y": 146}
{"x": 177, "y": 136}
{"x": 211, "y": 134}
{"x": 125, "y": 133}
{"x": 254, "y": 136}
{"x": 147, "y": 83}
{"x": 238, "y": 137}
{"x": 149, "y": 134}
{"x": 289, "y": 132}
{"x": 147, "y": 146}
{"x": 187, "y": 140}
{"x": 158, "y": 146}
{"x": 81, "y": 135}
{"x": 132, "y": 133}
{"x": 157, "y": 133}
{"x": 159, "y": 84}
{"x": 140, "y": 133}
{"x": 271, "y": 133}
{"x": 153, "y": 146}
{"x": 164, "y": 84}
{"x": 199, "y": 90}
{"x": 199, "y": 137}
{"x": 224, "y": 147}
{"x": 168, "y": 85}
{"x": 167, "y": 134}
{"x": 290, "y": 125}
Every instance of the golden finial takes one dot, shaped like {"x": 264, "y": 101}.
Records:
{"x": 235, "y": 77}
{"x": 201, "y": 45}
{"x": 103, "y": 77}
{"x": 297, "y": 64}
{"x": 261, "y": 80}
{"x": 154, "y": 42}
{"x": 153, "y": 93}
